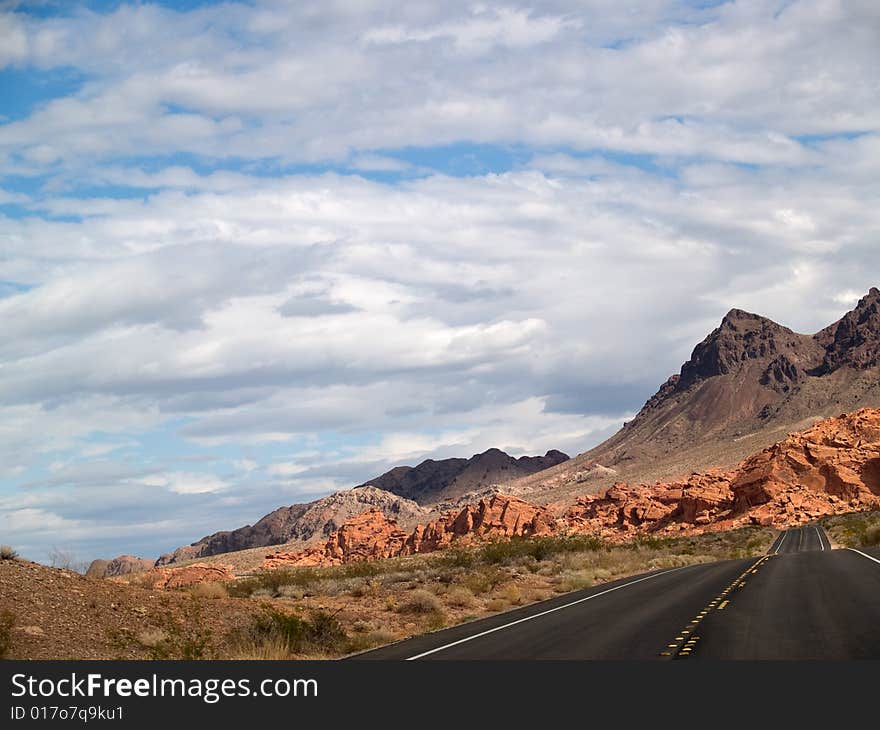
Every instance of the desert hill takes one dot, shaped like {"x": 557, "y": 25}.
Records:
{"x": 448, "y": 479}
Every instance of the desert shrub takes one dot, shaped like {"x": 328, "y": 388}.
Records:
{"x": 7, "y": 623}
{"x": 151, "y": 638}
{"x": 648, "y": 541}
{"x": 512, "y": 594}
{"x": 265, "y": 650}
{"x": 66, "y": 560}
{"x": 434, "y": 621}
{"x": 420, "y": 601}
{"x": 7, "y": 552}
{"x": 366, "y": 588}
{"x": 295, "y": 592}
{"x": 456, "y": 558}
{"x": 322, "y": 633}
{"x": 211, "y": 591}
{"x": 854, "y": 529}
{"x": 326, "y": 633}
{"x": 184, "y": 636}
{"x": 536, "y": 548}
{"x": 460, "y": 597}
{"x": 372, "y": 639}
{"x": 359, "y": 569}
{"x": 496, "y": 605}
{"x": 483, "y": 580}
{"x": 575, "y": 581}
{"x": 270, "y": 582}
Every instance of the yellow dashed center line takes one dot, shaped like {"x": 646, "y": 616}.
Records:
{"x": 719, "y": 602}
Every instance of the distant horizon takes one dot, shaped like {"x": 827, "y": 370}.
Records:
{"x": 255, "y": 253}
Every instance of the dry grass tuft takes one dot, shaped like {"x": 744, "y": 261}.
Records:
{"x": 210, "y": 591}
{"x": 460, "y": 597}
{"x": 7, "y": 623}
{"x": 420, "y": 602}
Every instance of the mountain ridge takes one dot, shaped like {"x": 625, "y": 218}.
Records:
{"x": 749, "y": 383}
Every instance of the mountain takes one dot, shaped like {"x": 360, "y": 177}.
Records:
{"x": 434, "y": 481}
{"x": 747, "y": 385}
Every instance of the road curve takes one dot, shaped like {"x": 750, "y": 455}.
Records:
{"x": 800, "y": 539}
{"x": 801, "y": 600}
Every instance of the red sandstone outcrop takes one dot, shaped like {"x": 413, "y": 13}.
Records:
{"x": 121, "y": 565}
{"x": 833, "y": 467}
{"x": 188, "y": 575}
{"x": 838, "y": 457}
{"x": 371, "y": 535}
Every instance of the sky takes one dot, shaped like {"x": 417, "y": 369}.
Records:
{"x": 255, "y": 252}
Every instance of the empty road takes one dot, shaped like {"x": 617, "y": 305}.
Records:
{"x": 802, "y": 600}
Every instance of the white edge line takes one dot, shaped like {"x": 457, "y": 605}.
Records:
{"x": 784, "y": 535}
{"x": 819, "y": 535}
{"x": 543, "y": 613}
{"x": 865, "y": 555}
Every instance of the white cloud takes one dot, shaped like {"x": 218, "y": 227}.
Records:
{"x": 286, "y": 469}
{"x": 734, "y": 82}
{"x": 187, "y": 482}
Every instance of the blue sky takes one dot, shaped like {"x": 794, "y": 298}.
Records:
{"x": 251, "y": 253}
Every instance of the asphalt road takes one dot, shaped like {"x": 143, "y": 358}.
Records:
{"x": 801, "y": 539}
{"x": 802, "y": 600}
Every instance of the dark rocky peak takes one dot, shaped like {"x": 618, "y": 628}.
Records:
{"x": 741, "y": 336}
{"x": 854, "y": 340}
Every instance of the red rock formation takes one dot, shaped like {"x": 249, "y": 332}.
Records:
{"x": 833, "y": 467}
{"x": 368, "y": 536}
{"x": 121, "y": 565}
{"x": 371, "y": 535}
{"x": 188, "y": 575}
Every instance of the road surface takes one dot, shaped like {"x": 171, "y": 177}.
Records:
{"x": 802, "y": 600}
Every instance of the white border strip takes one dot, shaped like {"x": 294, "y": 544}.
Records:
{"x": 784, "y": 535}
{"x": 865, "y": 555}
{"x": 819, "y": 535}
{"x": 543, "y": 613}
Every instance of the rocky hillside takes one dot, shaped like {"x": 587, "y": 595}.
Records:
{"x": 121, "y": 565}
{"x": 831, "y": 468}
{"x": 448, "y": 479}
{"x": 59, "y": 614}
{"x": 301, "y": 523}
{"x": 747, "y": 385}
